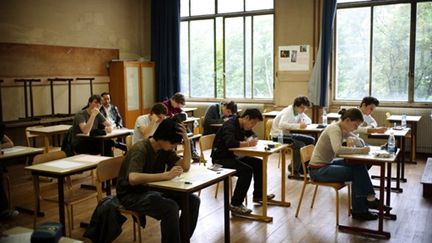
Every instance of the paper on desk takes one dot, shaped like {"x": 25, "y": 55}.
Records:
{"x": 62, "y": 164}
{"x": 89, "y": 158}
{"x": 12, "y": 150}
{"x": 14, "y": 238}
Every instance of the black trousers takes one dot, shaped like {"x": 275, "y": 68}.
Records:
{"x": 246, "y": 167}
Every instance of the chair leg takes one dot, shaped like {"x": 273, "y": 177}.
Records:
{"x": 69, "y": 223}
{"x": 349, "y": 199}
{"x": 337, "y": 207}
{"x": 217, "y": 190}
{"x": 7, "y": 183}
{"x": 300, "y": 200}
{"x": 71, "y": 216}
{"x": 36, "y": 198}
{"x": 314, "y": 195}
{"x": 138, "y": 225}
{"x": 133, "y": 227}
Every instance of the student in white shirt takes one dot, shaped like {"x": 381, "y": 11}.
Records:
{"x": 146, "y": 125}
{"x": 369, "y": 125}
{"x": 293, "y": 117}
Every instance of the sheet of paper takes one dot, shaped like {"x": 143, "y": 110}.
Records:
{"x": 63, "y": 164}
{"x": 89, "y": 158}
{"x": 12, "y": 150}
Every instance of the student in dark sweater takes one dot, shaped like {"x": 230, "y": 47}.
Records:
{"x": 217, "y": 114}
{"x": 236, "y": 133}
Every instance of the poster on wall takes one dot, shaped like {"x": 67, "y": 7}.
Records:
{"x": 294, "y": 58}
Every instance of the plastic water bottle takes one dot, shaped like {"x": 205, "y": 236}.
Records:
{"x": 324, "y": 117}
{"x": 391, "y": 144}
{"x": 404, "y": 122}
{"x": 195, "y": 127}
{"x": 280, "y": 137}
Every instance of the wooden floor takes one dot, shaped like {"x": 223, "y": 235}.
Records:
{"x": 313, "y": 225}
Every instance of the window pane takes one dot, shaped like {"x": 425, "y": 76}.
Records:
{"x": 234, "y": 57}
{"x": 202, "y": 58}
{"x": 352, "y": 50}
{"x": 258, "y": 4}
{"x": 423, "y": 53}
{"x": 263, "y": 56}
{"x": 248, "y": 50}
{"x": 220, "y": 85}
{"x": 390, "y": 52}
{"x": 184, "y": 8}
{"x": 200, "y": 7}
{"x": 184, "y": 58}
{"x": 226, "y": 6}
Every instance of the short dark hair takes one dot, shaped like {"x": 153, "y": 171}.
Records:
{"x": 252, "y": 113}
{"x": 159, "y": 109}
{"x": 105, "y": 93}
{"x": 301, "y": 100}
{"x": 354, "y": 114}
{"x": 96, "y": 97}
{"x": 368, "y": 100}
{"x": 167, "y": 131}
{"x": 232, "y": 106}
{"x": 179, "y": 98}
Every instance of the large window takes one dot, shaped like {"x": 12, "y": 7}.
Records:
{"x": 377, "y": 54}
{"x": 227, "y": 49}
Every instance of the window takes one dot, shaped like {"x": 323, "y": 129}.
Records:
{"x": 376, "y": 54}
{"x": 227, "y": 49}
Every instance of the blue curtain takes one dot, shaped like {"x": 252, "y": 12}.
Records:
{"x": 165, "y": 46}
{"x": 318, "y": 82}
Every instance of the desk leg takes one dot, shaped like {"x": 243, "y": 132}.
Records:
{"x": 283, "y": 174}
{"x": 388, "y": 189}
{"x": 60, "y": 181}
{"x": 185, "y": 221}
{"x": 402, "y": 176}
{"x": 226, "y": 209}
{"x": 413, "y": 142}
{"x": 46, "y": 143}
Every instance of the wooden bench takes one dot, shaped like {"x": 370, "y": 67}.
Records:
{"x": 426, "y": 179}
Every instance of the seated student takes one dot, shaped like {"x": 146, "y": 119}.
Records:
{"x": 146, "y": 162}
{"x": 326, "y": 167}
{"x": 292, "y": 117}
{"x": 236, "y": 133}
{"x": 110, "y": 111}
{"x": 84, "y": 122}
{"x": 147, "y": 124}
{"x": 217, "y": 114}
{"x": 174, "y": 106}
{"x": 5, "y": 212}
{"x": 369, "y": 125}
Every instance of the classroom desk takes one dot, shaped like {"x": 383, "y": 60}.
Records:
{"x": 412, "y": 121}
{"x": 400, "y": 166}
{"x": 371, "y": 159}
{"x": 116, "y": 133}
{"x": 189, "y": 110}
{"x": 333, "y": 116}
{"x": 260, "y": 151}
{"x": 197, "y": 178}
{"x": 310, "y": 129}
{"x": 269, "y": 115}
{"x": 49, "y": 131}
{"x": 20, "y": 234}
{"x": 62, "y": 168}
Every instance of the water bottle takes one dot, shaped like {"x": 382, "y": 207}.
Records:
{"x": 324, "y": 117}
{"x": 196, "y": 127}
{"x": 280, "y": 137}
{"x": 391, "y": 144}
{"x": 403, "y": 122}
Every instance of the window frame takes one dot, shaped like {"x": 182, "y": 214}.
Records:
{"x": 411, "y": 62}
{"x": 244, "y": 14}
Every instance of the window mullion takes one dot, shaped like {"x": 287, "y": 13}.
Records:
{"x": 412, "y": 47}
{"x": 371, "y": 50}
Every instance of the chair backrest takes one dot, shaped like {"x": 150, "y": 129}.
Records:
{"x": 129, "y": 142}
{"x": 42, "y": 158}
{"x": 206, "y": 143}
{"x": 107, "y": 170}
{"x": 306, "y": 155}
{"x": 30, "y": 137}
{"x": 268, "y": 129}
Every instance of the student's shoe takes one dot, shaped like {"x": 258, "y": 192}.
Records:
{"x": 375, "y": 205}
{"x": 241, "y": 210}
{"x": 195, "y": 157}
{"x": 120, "y": 146}
{"x": 8, "y": 214}
{"x": 259, "y": 199}
{"x": 365, "y": 216}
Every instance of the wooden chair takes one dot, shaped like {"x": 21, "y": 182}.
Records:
{"x": 71, "y": 197}
{"x": 129, "y": 142}
{"x": 305, "y": 156}
{"x": 205, "y": 143}
{"x": 105, "y": 172}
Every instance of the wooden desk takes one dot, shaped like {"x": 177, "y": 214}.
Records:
{"x": 48, "y": 131}
{"x": 381, "y": 162}
{"x": 311, "y": 128}
{"x": 412, "y": 121}
{"x": 189, "y": 110}
{"x": 269, "y": 115}
{"x": 18, "y": 152}
{"x": 198, "y": 177}
{"x": 62, "y": 168}
{"x": 116, "y": 133}
{"x": 21, "y": 234}
{"x": 400, "y": 166}
{"x": 260, "y": 151}
{"x": 333, "y": 116}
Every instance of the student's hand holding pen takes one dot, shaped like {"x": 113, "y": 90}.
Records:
{"x": 175, "y": 171}
{"x": 252, "y": 141}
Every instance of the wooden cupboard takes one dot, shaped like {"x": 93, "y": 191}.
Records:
{"x": 132, "y": 88}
